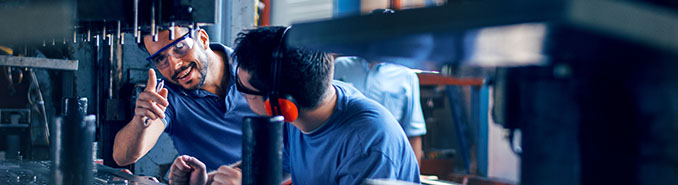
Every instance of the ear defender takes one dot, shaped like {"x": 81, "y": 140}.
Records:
{"x": 281, "y": 105}
{"x": 288, "y": 108}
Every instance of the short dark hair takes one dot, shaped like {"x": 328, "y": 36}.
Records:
{"x": 305, "y": 72}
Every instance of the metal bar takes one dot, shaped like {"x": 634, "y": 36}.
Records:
{"x": 136, "y": 18}
{"x": 459, "y": 124}
{"x": 118, "y": 31}
{"x": 11, "y": 125}
{"x": 479, "y": 108}
{"x": 437, "y": 79}
{"x": 34, "y": 62}
{"x": 153, "y": 29}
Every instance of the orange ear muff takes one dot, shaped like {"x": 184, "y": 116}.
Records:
{"x": 288, "y": 109}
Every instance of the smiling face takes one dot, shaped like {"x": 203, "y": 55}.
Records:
{"x": 188, "y": 71}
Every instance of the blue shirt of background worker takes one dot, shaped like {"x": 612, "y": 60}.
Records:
{"x": 207, "y": 127}
{"x": 394, "y": 86}
{"x": 360, "y": 140}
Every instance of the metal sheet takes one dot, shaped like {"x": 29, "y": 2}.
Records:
{"x": 35, "y": 62}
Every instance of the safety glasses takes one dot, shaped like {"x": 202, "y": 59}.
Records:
{"x": 244, "y": 89}
{"x": 177, "y": 49}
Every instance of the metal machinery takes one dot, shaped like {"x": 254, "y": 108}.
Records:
{"x": 591, "y": 84}
{"x": 53, "y": 51}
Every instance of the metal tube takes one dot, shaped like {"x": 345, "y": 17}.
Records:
{"x": 155, "y": 37}
{"x": 71, "y": 148}
{"x": 136, "y": 18}
{"x": 153, "y": 30}
{"x": 122, "y": 38}
{"x": 171, "y": 30}
{"x": 261, "y": 150}
{"x": 75, "y": 36}
{"x": 89, "y": 36}
{"x": 110, "y": 39}
{"x": 118, "y": 33}
{"x": 104, "y": 32}
{"x": 138, "y": 36}
{"x": 190, "y": 31}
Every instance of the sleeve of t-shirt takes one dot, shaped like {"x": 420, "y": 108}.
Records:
{"x": 169, "y": 115}
{"x": 372, "y": 165}
{"x": 416, "y": 126}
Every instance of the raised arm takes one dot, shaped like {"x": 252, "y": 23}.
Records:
{"x": 139, "y": 135}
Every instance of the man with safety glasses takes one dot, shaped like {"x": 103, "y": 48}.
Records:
{"x": 199, "y": 107}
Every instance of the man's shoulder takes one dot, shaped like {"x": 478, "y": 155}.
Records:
{"x": 348, "y": 62}
{"x": 359, "y": 108}
{"x": 397, "y": 68}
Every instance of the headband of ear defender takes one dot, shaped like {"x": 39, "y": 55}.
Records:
{"x": 286, "y": 105}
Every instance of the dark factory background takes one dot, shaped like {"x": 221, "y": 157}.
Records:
{"x": 512, "y": 92}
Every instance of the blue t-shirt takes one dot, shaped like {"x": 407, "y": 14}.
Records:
{"x": 360, "y": 140}
{"x": 204, "y": 125}
{"x": 394, "y": 86}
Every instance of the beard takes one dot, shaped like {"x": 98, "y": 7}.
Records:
{"x": 203, "y": 70}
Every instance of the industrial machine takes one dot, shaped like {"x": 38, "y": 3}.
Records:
{"x": 589, "y": 84}
{"x": 53, "y": 52}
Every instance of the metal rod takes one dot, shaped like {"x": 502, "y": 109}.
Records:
{"x": 155, "y": 38}
{"x": 110, "y": 39}
{"x": 138, "y": 36}
{"x": 97, "y": 37}
{"x": 153, "y": 30}
{"x": 136, "y": 18}
{"x": 195, "y": 28}
{"x": 190, "y": 31}
{"x": 75, "y": 35}
{"x": 118, "y": 33}
{"x": 104, "y": 32}
{"x": 122, "y": 38}
{"x": 89, "y": 35}
{"x": 171, "y": 30}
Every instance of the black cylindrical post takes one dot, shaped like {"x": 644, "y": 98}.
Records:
{"x": 71, "y": 150}
{"x": 262, "y": 150}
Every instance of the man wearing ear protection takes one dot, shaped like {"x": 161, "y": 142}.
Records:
{"x": 335, "y": 135}
{"x": 199, "y": 107}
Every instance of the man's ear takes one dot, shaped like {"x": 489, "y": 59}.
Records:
{"x": 204, "y": 39}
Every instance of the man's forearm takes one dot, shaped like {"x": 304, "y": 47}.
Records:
{"x": 415, "y": 142}
{"x": 133, "y": 141}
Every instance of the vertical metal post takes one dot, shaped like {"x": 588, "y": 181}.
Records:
{"x": 458, "y": 117}
{"x": 153, "y": 26}
{"x": 479, "y": 111}
{"x": 136, "y": 18}
{"x": 261, "y": 150}
{"x": 241, "y": 17}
